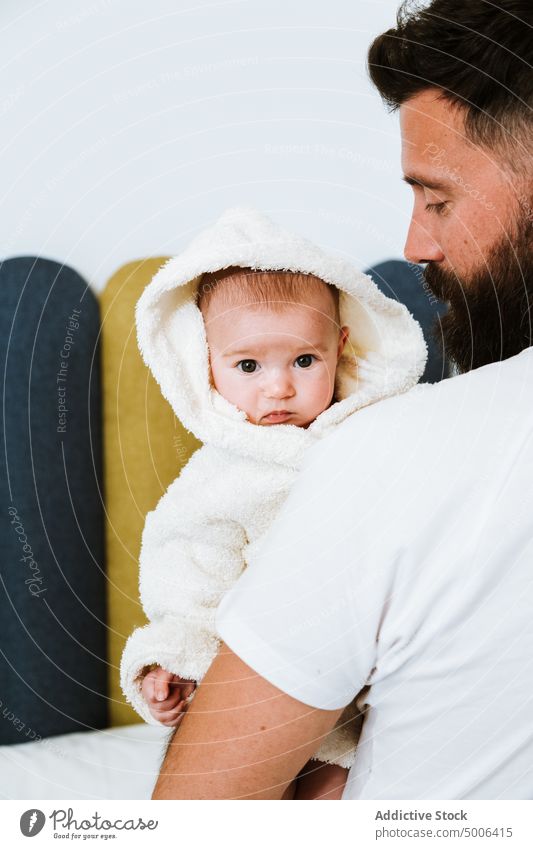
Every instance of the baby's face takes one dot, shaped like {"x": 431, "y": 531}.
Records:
{"x": 279, "y": 368}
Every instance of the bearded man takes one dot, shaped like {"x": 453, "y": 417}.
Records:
{"x": 404, "y": 573}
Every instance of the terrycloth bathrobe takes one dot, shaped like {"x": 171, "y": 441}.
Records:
{"x": 211, "y": 519}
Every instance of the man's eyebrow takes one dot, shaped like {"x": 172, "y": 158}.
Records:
{"x": 425, "y": 182}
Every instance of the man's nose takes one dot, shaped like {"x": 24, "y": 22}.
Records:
{"x": 421, "y": 245}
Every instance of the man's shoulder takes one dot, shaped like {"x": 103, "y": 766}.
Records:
{"x": 436, "y": 419}
{"x": 488, "y": 387}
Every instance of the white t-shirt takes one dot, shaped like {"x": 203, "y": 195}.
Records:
{"x": 403, "y": 560}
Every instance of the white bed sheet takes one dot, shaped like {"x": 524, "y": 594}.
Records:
{"x": 117, "y": 763}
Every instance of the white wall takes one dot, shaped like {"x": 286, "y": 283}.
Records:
{"x": 128, "y": 125}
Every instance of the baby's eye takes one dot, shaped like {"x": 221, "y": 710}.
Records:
{"x": 305, "y": 360}
{"x": 247, "y": 366}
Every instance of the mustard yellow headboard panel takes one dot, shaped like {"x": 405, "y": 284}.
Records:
{"x": 145, "y": 447}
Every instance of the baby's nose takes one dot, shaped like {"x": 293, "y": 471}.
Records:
{"x": 279, "y": 385}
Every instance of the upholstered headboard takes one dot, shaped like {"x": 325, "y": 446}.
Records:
{"x": 53, "y": 599}
{"x": 145, "y": 447}
{"x": 70, "y": 538}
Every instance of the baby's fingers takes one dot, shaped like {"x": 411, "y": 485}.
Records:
{"x": 174, "y": 698}
{"x": 172, "y": 717}
{"x": 161, "y": 680}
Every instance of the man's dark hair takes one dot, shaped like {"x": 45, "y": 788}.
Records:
{"x": 480, "y": 53}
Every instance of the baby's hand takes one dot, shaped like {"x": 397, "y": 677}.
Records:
{"x": 165, "y": 695}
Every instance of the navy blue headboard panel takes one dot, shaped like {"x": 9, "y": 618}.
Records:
{"x": 52, "y": 592}
{"x": 405, "y": 282}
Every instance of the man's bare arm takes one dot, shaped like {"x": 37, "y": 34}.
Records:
{"x": 242, "y": 738}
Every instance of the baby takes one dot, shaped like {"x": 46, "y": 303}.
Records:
{"x": 264, "y": 362}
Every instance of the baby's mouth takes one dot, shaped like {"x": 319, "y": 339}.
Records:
{"x": 277, "y": 416}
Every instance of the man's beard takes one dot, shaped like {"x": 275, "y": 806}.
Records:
{"x": 490, "y": 312}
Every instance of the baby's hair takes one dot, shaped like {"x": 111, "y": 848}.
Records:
{"x": 275, "y": 289}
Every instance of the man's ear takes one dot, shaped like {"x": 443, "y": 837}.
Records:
{"x": 343, "y": 338}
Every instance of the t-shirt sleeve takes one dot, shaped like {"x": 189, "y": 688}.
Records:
{"x": 306, "y": 613}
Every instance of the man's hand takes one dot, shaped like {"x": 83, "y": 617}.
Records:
{"x": 166, "y": 694}
{"x": 242, "y": 737}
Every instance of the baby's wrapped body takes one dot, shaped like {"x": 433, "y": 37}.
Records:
{"x": 195, "y": 545}
{"x": 208, "y": 526}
